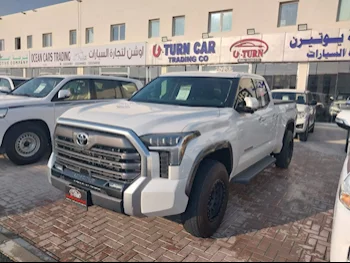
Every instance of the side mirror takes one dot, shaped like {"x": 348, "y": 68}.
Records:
{"x": 313, "y": 103}
{"x": 5, "y": 90}
{"x": 342, "y": 123}
{"x": 64, "y": 94}
{"x": 249, "y": 105}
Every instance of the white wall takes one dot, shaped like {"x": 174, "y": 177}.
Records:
{"x": 101, "y": 14}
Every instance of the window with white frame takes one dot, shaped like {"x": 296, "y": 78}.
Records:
{"x": 18, "y": 43}
{"x": 72, "y": 37}
{"x": 47, "y": 40}
{"x": 179, "y": 26}
{"x": 118, "y": 32}
{"x": 220, "y": 21}
{"x": 89, "y": 35}
{"x": 288, "y": 14}
{"x": 344, "y": 10}
{"x": 153, "y": 28}
{"x": 29, "y": 42}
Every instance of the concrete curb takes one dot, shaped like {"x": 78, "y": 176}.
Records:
{"x": 19, "y": 250}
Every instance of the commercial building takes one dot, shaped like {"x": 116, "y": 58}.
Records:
{"x": 300, "y": 45}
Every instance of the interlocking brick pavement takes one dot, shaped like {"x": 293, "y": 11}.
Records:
{"x": 281, "y": 216}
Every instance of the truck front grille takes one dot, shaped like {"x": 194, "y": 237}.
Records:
{"x": 107, "y": 156}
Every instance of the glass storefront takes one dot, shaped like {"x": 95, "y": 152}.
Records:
{"x": 15, "y": 72}
{"x": 329, "y": 83}
{"x": 278, "y": 75}
{"x": 35, "y": 72}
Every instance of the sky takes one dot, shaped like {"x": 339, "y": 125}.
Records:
{"x": 14, "y": 6}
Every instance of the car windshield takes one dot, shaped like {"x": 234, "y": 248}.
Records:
{"x": 18, "y": 82}
{"x": 189, "y": 91}
{"x": 299, "y": 98}
{"x": 37, "y": 87}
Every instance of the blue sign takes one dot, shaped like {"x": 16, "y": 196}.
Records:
{"x": 325, "y": 41}
{"x": 197, "y": 52}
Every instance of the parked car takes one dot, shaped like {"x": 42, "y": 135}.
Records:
{"x": 340, "y": 246}
{"x": 187, "y": 135}
{"x": 7, "y": 84}
{"x": 28, "y": 114}
{"x": 306, "y": 110}
{"x": 337, "y": 104}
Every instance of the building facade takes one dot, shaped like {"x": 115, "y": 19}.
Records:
{"x": 303, "y": 45}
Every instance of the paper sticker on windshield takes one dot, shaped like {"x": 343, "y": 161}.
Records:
{"x": 184, "y": 92}
{"x": 40, "y": 88}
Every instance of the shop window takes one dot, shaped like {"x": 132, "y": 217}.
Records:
{"x": 179, "y": 26}
{"x": 138, "y": 73}
{"x": 17, "y": 43}
{"x": 29, "y": 42}
{"x": 344, "y": 10}
{"x": 220, "y": 21}
{"x": 47, "y": 40}
{"x": 154, "y": 28}
{"x": 118, "y": 32}
{"x": 2, "y": 44}
{"x": 89, "y": 35}
{"x": 288, "y": 14}
{"x": 72, "y": 37}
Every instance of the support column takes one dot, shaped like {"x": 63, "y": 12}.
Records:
{"x": 303, "y": 76}
{"x": 164, "y": 70}
{"x": 80, "y": 71}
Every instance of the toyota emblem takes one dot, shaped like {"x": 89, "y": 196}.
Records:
{"x": 75, "y": 193}
{"x": 82, "y": 139}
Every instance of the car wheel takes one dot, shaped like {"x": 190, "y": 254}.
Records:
{"x": 312, "y": 128}
{"x": 208, "y": 200}
{"x": 26, "y": 144}
{"x": 284, "y": 158}
{"x": 304, "y": 136}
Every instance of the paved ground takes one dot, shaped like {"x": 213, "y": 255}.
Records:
{"x": 4, "y": 258}
{"x": 281, "y": 216}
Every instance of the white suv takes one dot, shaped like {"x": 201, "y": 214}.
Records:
{"x": 7, "y": 84}
{"x": 28, "y": 114}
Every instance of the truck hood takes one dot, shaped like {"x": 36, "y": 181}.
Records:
{"x": 302, "y": 108}
{"x": 13, "y": 101}
{"x": 143, "y": 118}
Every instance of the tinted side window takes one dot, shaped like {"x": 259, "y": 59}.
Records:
{"x": 107, "y": 89}
{"x": 262, "y": 93}
{"x": 128, "y": 88}
{"x": 245, "y": 89}
{"x": 5, "y": 83}
{"x": 79, "y": 89}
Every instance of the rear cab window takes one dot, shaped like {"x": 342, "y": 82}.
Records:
{"x": 262, "y": 93}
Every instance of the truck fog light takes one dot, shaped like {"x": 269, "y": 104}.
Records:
{"x": 58, "y": 167}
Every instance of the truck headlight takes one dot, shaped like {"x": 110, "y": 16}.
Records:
{"x": 301, "y": 115}
{"x": 345, "y": 193}
{"x": 174, "y": 143}
{"x": 3, "y": 113}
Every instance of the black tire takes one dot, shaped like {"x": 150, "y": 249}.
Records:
{"x": 304, "y": 136}
{"x": 312, "y": 129}
{"x": 35, "y": 131}
{"x": 284, "y": 158}
{"x": 208, "y": 200}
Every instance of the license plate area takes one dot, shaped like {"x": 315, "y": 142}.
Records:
{"x": 79, "y": 196}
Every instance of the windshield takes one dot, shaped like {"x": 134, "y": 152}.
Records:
{"x": 37, "y": 87}
{"x": 189, "y": 91}
{"x": 299, "y": 98}
{"x": 18, "y": 82}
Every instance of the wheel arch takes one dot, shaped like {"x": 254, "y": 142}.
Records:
{"x": 221, "y": 151}
{"x": 40, "y": 122}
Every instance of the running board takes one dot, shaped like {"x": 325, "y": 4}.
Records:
{"x": 247, "y": 175}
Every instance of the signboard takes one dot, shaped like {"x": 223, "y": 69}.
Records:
{"x": 197, "y": 52}
{"x": 114, "y": 55}
{"x": 14, "y": 60}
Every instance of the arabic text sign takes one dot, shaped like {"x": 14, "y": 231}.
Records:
{"x": 320, "y": 46}
{"x": 117, "y": 55}
{"x": 199, "y": 52}
{"x": 14, "y": 60}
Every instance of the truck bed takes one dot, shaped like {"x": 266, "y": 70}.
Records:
{"x": 281, "y": 102}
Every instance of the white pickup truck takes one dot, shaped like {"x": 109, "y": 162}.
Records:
{"x": 173, "y": 148}
{"x": 7, "y": 83}
{"x": 28, "y": 113}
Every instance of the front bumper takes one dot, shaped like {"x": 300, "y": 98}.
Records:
{"x": 301, "y": 125}
{"x": 146, "y": 197}
{"x": 340, "y": 246}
